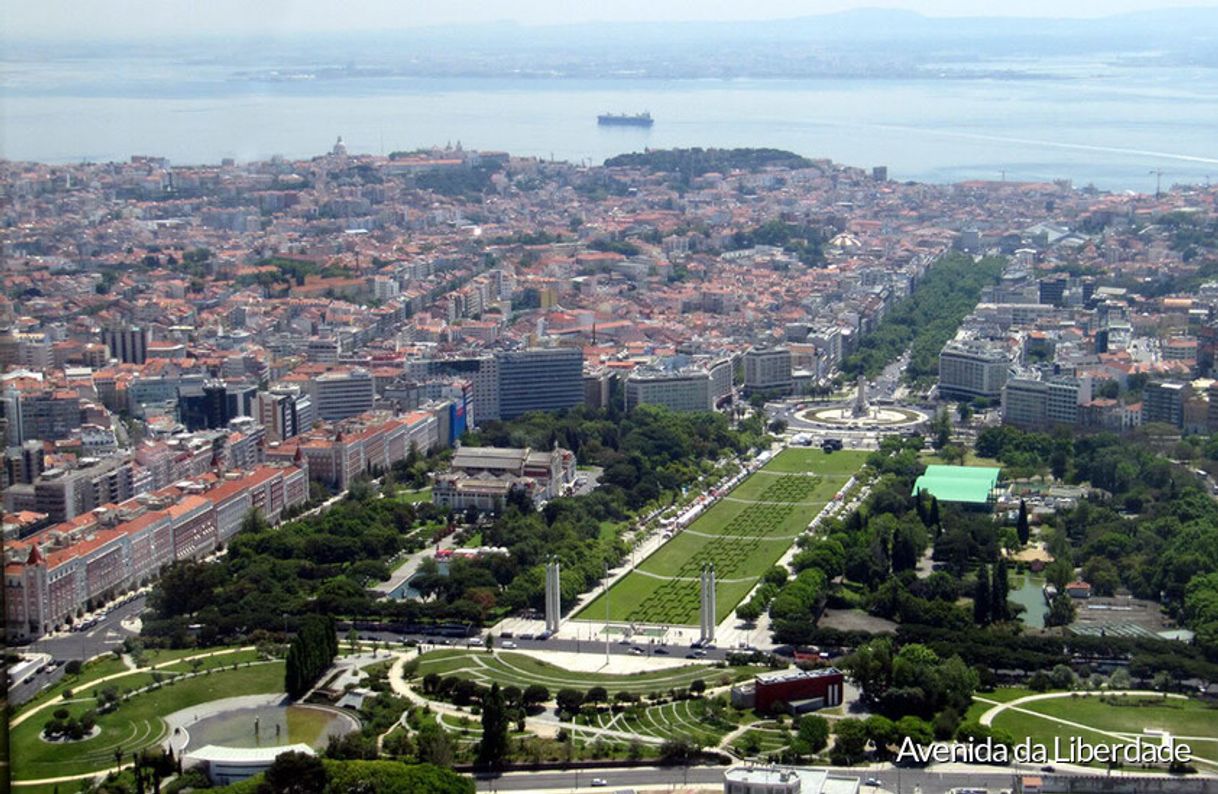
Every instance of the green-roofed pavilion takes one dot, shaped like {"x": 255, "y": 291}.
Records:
{"x": 971, "y": 485}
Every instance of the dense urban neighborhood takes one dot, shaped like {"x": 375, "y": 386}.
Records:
{"x": 722, "y": 469}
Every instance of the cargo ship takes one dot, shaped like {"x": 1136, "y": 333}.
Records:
{"x": 625, "y": 120}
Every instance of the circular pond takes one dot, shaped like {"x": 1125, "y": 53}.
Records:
{"x": 269, "y": 725}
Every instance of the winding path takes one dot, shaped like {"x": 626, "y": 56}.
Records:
{"x": 1015, "y": 705}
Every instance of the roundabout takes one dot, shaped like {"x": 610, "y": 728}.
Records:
{"x": 844, "y": 417}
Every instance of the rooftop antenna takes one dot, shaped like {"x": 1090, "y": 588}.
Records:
{"x": 1158, "y": 182}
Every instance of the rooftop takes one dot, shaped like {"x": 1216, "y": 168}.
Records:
{"x": 967, "y": 484}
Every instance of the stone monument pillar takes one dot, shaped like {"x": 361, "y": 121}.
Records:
{"x": 553, "y": 596}
{"x": 707, "y": 621}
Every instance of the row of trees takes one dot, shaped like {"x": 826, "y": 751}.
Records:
{"x": 310, "y": 654}
{"x": 927, "y": 319}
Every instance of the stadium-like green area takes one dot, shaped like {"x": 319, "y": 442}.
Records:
{"x": 518, "y": 669}
{"x": 134, "y": 725}
{"x": 743, "y": 535}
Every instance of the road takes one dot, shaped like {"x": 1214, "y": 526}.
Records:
{"x": 616, "y": 648}
{"x": 103, "y": 638}
{"x": 890, "y": 780}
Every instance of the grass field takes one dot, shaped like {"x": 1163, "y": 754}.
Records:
{"x": 412, "y": 497}
{"x": 1127, "y": 716}
{"x": 760, "y": 740}
{"x": 136, "y": 724}
{"x": 686, "y": 719}
{"x": 521, "y": 670}
{"x": 742, "y": 535}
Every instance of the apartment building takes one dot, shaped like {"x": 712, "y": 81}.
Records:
{"x": 342, "y": 394}
{"x": 972, "y": 368}
{"x": 539, "y": 380}
{"x": 50, "y": 576}
{"x": 768, "y": 371}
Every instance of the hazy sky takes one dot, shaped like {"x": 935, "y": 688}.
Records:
{"x": 81, "y": 19}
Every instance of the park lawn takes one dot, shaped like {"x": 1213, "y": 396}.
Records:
{"x": 1021, "y": 725}
{"x": 99, "y": 667}
{"x": 413, "y": 497}
{"x": 803, "y": 459}
{"x": 108, "y": 665}
{"x": 213, "y": 662}
{"x": 1178, "y": 717}
{"x": 136, "y": 724}
{"x": 1000, "y": 695}
{"x": 676, "y": 720}
{"x": 768, "y": 741}
{"x": 755, "y": 524}
{"x": 521, "y": 670}
{"x": 971, "y": 458}
{"x": 609, "y": 530}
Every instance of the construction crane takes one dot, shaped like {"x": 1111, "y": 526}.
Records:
{"x": 1158, "y": 182}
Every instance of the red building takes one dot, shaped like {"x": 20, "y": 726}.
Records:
{"x": 801, "y": 690}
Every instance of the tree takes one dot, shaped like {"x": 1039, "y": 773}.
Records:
{"x": 850, "y": 742}
{"x": 1059, "y": 573}
{"x": 535, "y": 695}
{"x": 310, "y": 653}
{"x": 907, "y": 545}
{"x": 569, "y": 700}
{"x": 870, "y": 667}
{"x": 941, "y": 427}
{"x": 1021, "y": 523}
{"x": 73, "y": 667}
{"x": 814, "y": 732}
{"x": 680, "y": 750}
{"x": 435, "y": 745}
{"x": 748, "y": 611}
{"x": 295, "y": 773}
{"x": 1061, "y": 611}
{"x": 1162, "y": 682}
{"x": 1001, "y": 588}
{"x": 882, "y": 732}
{"x": 981, "y": 597}
{"x": 935, "y": 519}
{"x": 492, "y": 749}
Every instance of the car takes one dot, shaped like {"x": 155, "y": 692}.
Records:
{"x": 661, "y": 651}
{"x": 698, "y": 654}
{"x": 599, "y": 782}
{"x": 508, "y": 644}
{"x": 871, "y": 781}
{"x": 1047, "y": 769}
{"x": 636, "y": 651}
